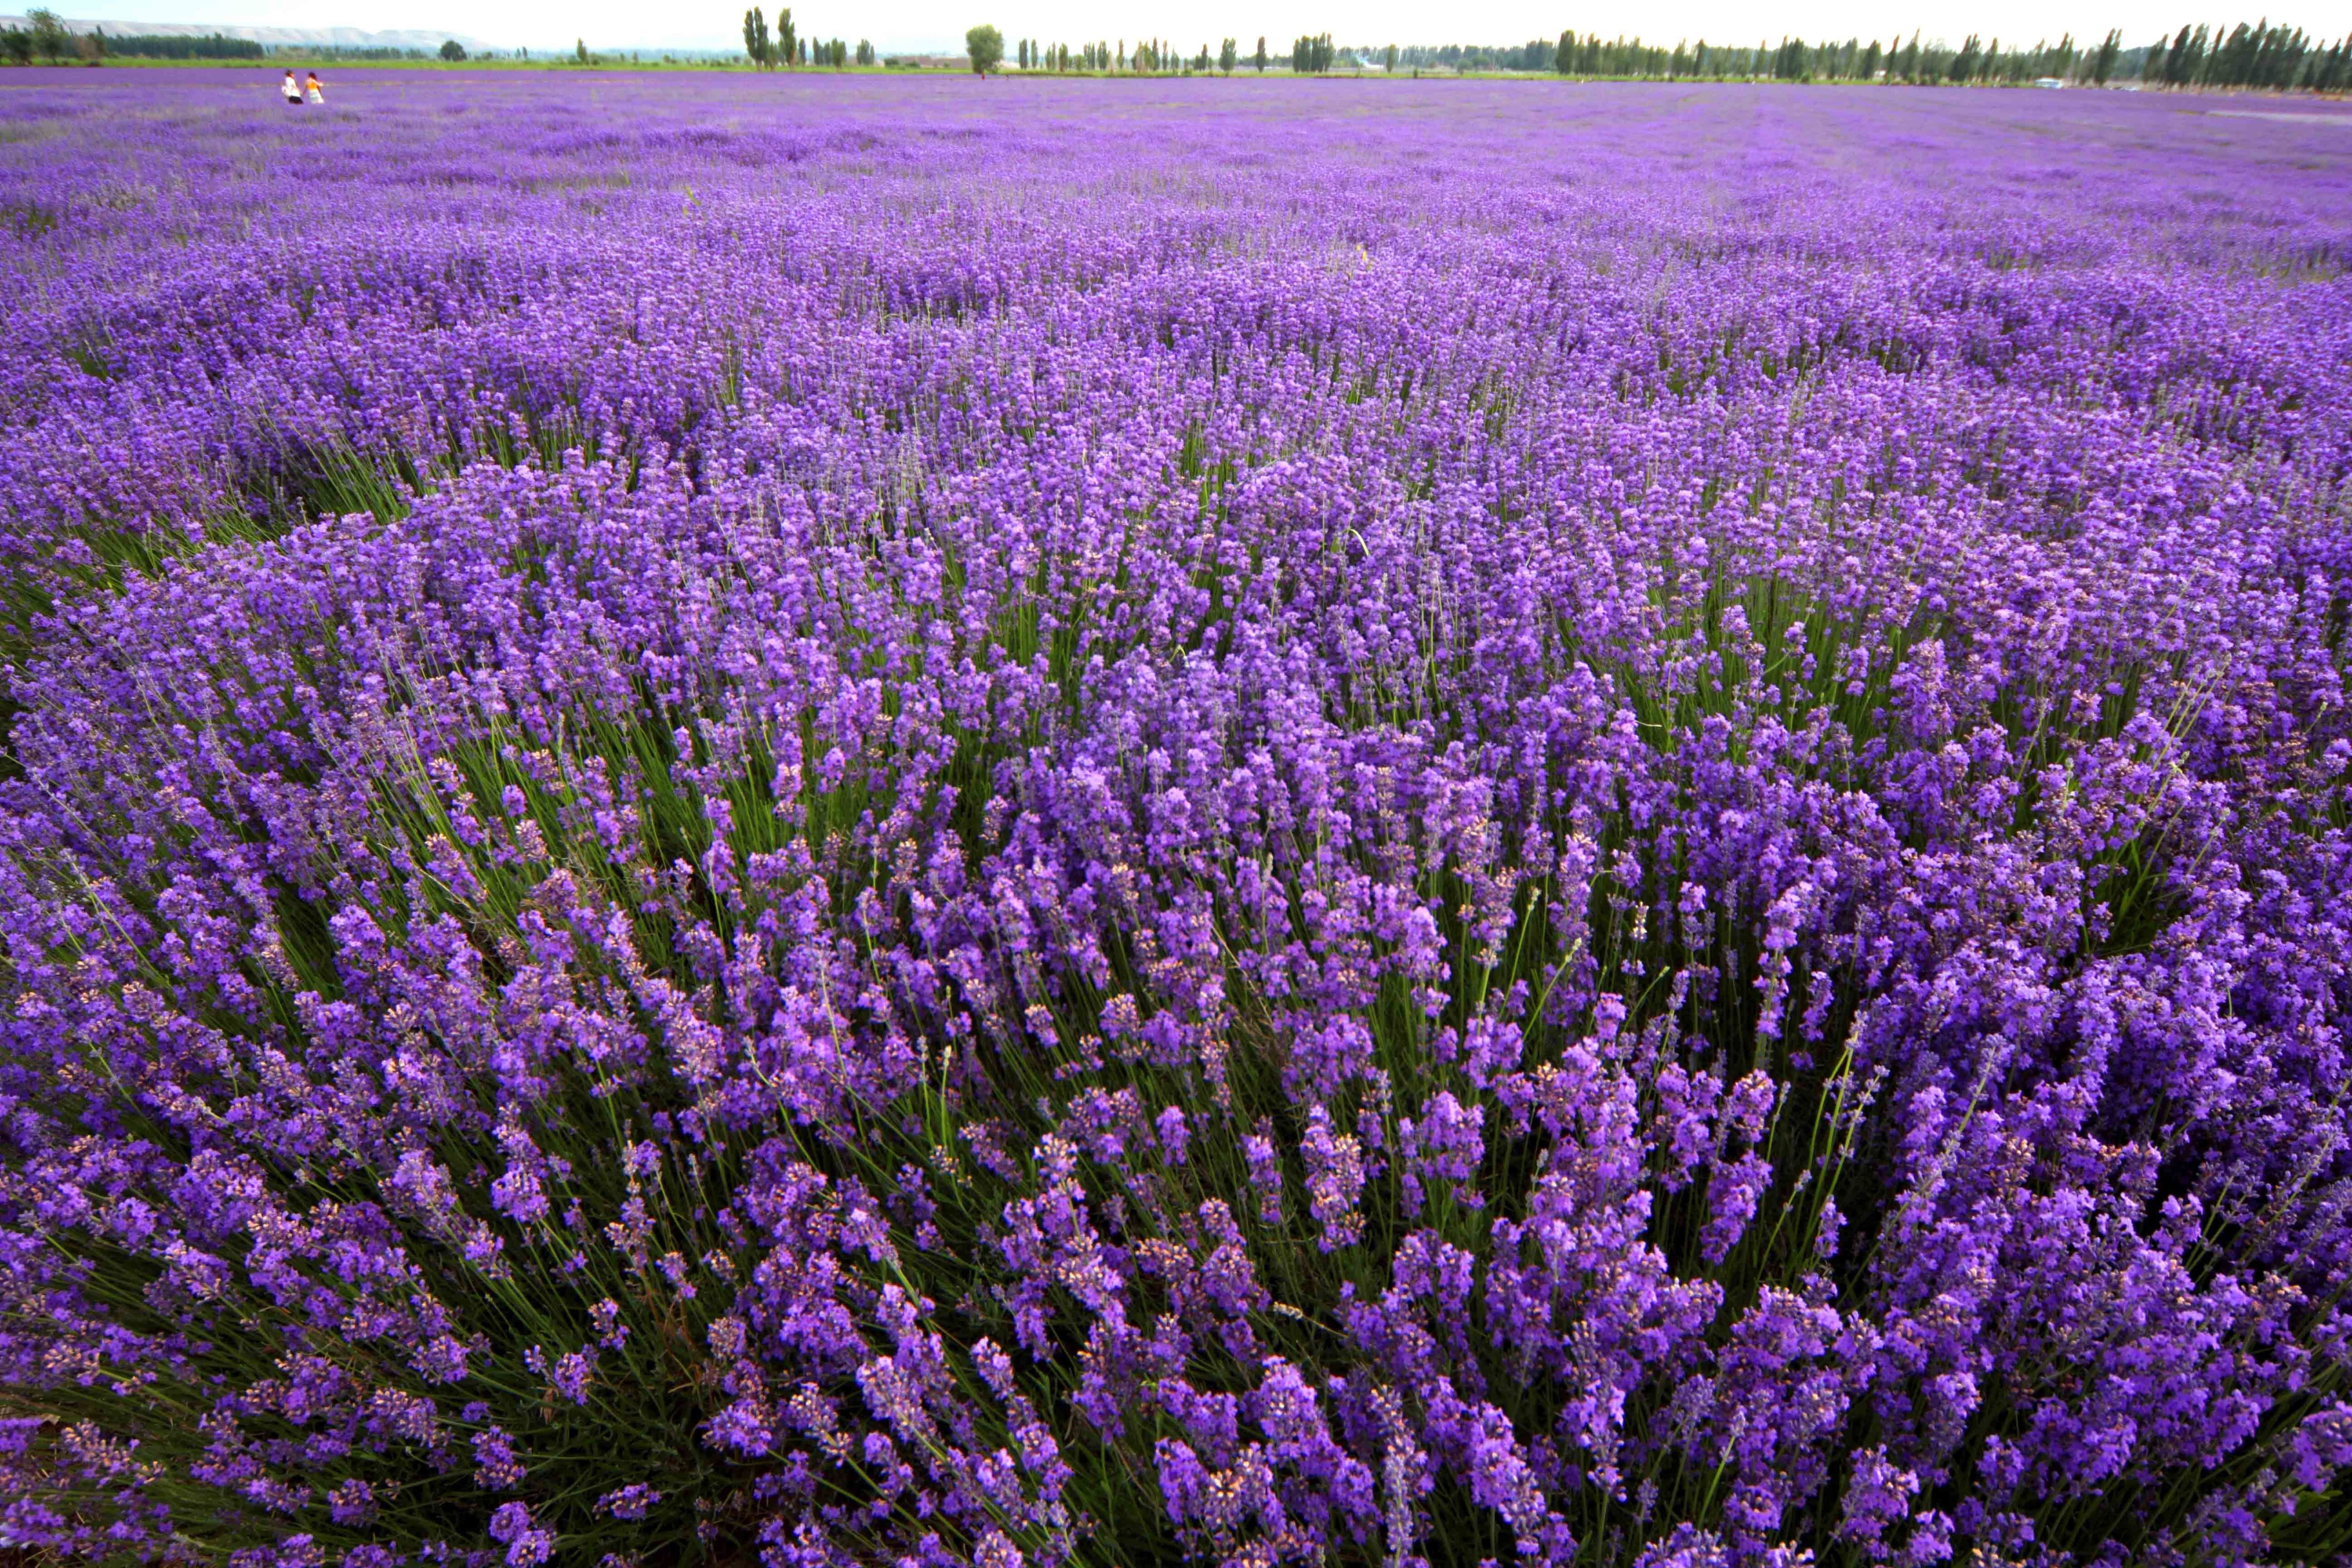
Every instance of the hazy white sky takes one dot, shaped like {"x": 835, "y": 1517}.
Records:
{"x": 939, "y": 24}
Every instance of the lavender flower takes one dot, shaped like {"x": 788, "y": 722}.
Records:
{"x": 702, "y": 890}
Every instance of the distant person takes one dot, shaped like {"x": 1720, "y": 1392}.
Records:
{"x": 310, "y": 90}
{"x": 292, "y": 89}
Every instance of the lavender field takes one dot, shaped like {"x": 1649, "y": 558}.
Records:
{"x": 875, "y": 821}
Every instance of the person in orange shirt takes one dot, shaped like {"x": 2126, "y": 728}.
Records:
{"x": 311, "y": 90}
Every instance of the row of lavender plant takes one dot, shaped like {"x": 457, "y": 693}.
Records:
{"x": 846, "y": 823}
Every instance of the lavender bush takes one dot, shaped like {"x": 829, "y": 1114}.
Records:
{"x": 850, "y": 822}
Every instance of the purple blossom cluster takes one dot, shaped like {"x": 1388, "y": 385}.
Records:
{"x": 852, "y": 822}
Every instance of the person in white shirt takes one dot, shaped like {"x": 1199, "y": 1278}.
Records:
{"x": 292, "y": 89}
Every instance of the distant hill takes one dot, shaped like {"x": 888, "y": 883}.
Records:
{"x": 301, "y": 38}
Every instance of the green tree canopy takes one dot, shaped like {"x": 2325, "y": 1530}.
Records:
{"x": 985, "y": 45}
{"x": 49, "y": 35}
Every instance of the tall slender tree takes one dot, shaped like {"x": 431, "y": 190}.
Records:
{"x": 2187, "y": 53}
{"x": 50, "y": 38}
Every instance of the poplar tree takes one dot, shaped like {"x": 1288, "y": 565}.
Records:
{"x": 2188, "y": 52}
{"x": 48, "y": 34}
{"x": 2103, "y": 64}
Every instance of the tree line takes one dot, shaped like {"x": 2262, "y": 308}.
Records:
{"x": 1916, "y": 63}
{"x": 1151, "y": 57}
{"x": 2256, "y": 54}
{"x": 46, "y": 36}
{"x": 2257, "y": 57}
{"x": 787, "y": 48}
{"x": 984, "y": 47}
{"x": 169, "y": 47}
